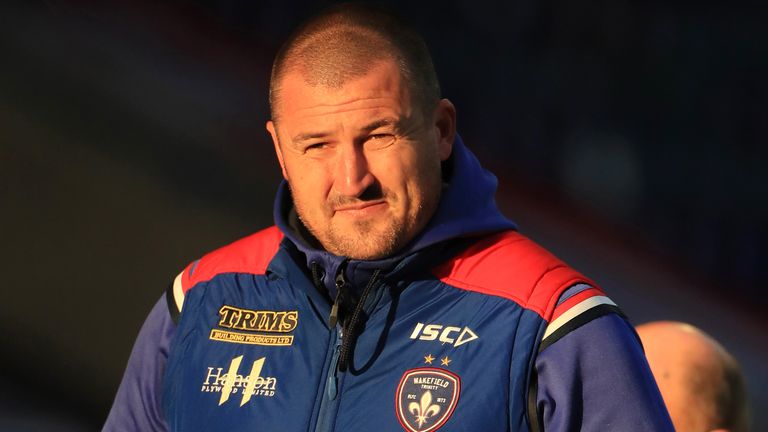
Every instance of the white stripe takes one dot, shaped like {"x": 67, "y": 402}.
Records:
{"x": 178, "y": 292}
{"x": 575, "y": 311}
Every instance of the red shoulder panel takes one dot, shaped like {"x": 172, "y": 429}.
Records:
{"x": 509, "y": 265}
{"x": 251, "y": 254}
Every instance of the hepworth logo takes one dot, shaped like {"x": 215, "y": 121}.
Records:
{"x": 231, "y": 383}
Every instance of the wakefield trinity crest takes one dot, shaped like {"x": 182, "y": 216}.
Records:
{"x": 426, "y": 398}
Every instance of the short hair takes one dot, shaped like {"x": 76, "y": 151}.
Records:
{"x": 345, "y": 41}
{"x": 717, "y": 393}
{"x": 731, "y": 408}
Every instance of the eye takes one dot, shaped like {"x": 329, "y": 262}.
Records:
{"x": 382, "y": 140}
{"x": 315, "y": 147}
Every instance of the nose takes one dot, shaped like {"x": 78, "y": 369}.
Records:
{"x": 353, "y": 174}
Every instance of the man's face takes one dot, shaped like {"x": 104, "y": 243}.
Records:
{"x": 362, "y": 162}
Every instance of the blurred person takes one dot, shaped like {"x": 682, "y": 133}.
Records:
{"x": 391, "y": 294}
{"x": 700, "y": 381}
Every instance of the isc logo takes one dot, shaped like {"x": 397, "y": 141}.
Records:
{"x": 445, "y": 334}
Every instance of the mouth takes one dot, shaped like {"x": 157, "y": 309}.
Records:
{"x": 365, "y": 208}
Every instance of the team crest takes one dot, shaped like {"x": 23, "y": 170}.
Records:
{"x": 426, "y": 398}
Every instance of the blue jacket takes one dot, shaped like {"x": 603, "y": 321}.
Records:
{"x": 472, "y": 327}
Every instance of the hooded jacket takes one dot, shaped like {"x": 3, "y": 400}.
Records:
{"x": 471, "y": 327}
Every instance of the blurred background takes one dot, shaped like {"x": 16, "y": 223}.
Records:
{"x": 628, "y": 137}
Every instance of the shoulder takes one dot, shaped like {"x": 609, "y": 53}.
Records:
{"x": 509, "y": 265}
{"x": 250, "y": 254}
{"x": 595, "y": 379}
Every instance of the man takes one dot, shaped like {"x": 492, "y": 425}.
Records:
{"x": 700, "y": 381}
{"x": 391, "y": 294}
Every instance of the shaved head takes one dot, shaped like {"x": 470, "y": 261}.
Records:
{"x": 345, "y": 42}
{"x": 701, "y": 383}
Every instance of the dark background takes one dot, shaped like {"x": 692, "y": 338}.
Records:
{"x": 629, "y": 137}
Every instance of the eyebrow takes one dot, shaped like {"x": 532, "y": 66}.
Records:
{"x": 309, "y": 136}
{"x": 397, "y": 123}
{"x": 381, "y": 123}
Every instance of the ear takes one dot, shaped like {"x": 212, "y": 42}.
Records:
{"x": 272, "y": 129}
{"x": 444, "y": 120}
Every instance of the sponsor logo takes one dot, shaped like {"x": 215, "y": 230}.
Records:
{"x": 263, "y": 321}
{"x": 231, "y": 383}
{"x": 456, "y": 336}
{"x": 426, "y": 398}
{"x": 258, "y": 320}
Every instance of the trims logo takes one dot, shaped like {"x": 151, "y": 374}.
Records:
{"x": 255, "y": 321}
{"x": 230, "y": 383}
{"x": 445, "y": 334}
{"x": 258, "y": 320}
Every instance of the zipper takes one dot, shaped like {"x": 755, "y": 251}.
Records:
{"x": 332, "y": 384}
{"x": 326, "y": 418}
{"x": 329, "y": 402}
{"x": 333, "y": 321}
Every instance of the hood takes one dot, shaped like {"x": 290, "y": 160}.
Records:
{"x": 467, "y": 208}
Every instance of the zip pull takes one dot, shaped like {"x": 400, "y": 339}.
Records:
{"x": 332, "y": 385}
{"x": 333, "y": 388}
{"x": 341, "y": 282}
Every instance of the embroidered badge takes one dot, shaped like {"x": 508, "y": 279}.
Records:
{"x": 426, "y": 398}
{"x": 249, "y": 321}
